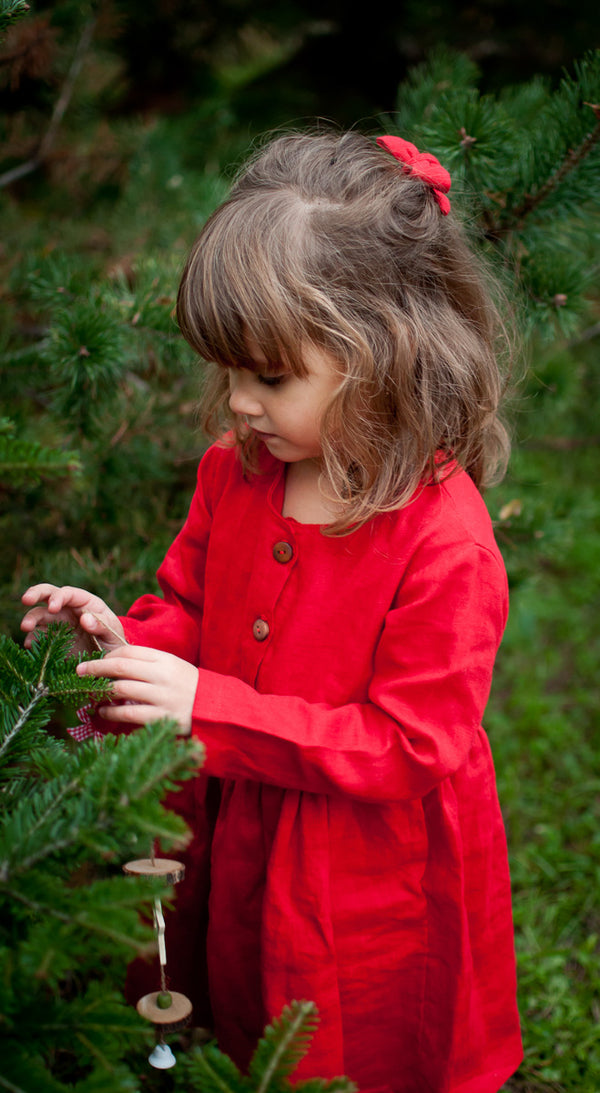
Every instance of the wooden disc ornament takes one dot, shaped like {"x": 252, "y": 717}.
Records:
{"x": 176, "y": 1013}
{"x": 171, "y": 871}
{"x": 167, "y": 1010}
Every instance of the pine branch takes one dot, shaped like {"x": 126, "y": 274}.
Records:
{"x": 29, "y": 681}
{"x": 24, "y": 716}
{"x": 10, "y": 11}
{"x": 92, "y": 801}
{"x": 14, "y": 664}
{"x": 84, "y": 910}
{"x": 27, "y": 461}
{"x": 58, "y": 113}
{"x": 62, "y": 927}
{"x": 22, "y": 746}
{"x": 572, "y": 159}
{"x": 213, "y": 1072}
{"x": 41, "y": 809}
{"x": 117, "y": 1080}
{"x": 283, "y": 1045}
{"x": 144, "y": 769}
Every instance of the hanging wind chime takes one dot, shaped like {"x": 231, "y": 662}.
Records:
{"x": 168, "y": 1010}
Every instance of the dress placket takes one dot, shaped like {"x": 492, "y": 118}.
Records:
{"x": 275, "y": 559}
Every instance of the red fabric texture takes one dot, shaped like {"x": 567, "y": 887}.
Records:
{"x": 422, "y": 165}
{"x": 354, "y": 853}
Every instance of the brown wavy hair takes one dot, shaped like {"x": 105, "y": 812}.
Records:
{"x": 325, "y": 240}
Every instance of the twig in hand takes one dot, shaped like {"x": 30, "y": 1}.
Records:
{"x": 119, "y": 637}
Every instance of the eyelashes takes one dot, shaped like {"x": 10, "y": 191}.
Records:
{"x": 265, "y": 379}
{"x": 272, "y": 381}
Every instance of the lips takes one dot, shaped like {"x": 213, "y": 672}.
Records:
{"x": 263, "y": 436}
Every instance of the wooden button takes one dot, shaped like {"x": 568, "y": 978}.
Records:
{"x": 260, "y": 629}
{"x": 283, "y": 552}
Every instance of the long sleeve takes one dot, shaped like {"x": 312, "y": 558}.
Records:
{"x": 431, "y": 677}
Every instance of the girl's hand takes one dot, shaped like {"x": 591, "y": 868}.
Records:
{"x": 89, "y": 615}
{"x": 152, "y": 683}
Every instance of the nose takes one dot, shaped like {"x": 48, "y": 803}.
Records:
{"x": 243, "y": 396}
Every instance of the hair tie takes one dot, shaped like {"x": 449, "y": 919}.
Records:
{"x": 422, "y": 165}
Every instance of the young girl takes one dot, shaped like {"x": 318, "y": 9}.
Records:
{"x": 329, "y": 619}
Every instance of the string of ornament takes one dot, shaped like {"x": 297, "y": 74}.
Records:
{"x": 169, "y": 1011}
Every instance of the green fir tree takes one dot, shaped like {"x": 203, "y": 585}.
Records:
{"x": 70, "y": 814}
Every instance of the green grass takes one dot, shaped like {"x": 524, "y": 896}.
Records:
{"x": 543, "y": 722}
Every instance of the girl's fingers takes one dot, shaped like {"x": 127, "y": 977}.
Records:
{"x": 54, "y": 597}
{"x": 33, "y": 618}
{"x": 75, "y": 606}
{"x": 131, "y": 715}
{"x": 149, "y": 684}
{"x": 140, "y": 652}
{"x": 132, "y": 690}
{"x": 110, "y": 633}
{"x": 127, "y": 662}
{"x": 66, "y": 596}
{"x": 37, "y": 592}
{"x": 32, "y": 627}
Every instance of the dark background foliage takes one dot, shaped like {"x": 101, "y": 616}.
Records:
{"x": 347, "y": 62}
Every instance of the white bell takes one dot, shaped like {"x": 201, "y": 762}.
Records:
{"x": 162, "y": 1057}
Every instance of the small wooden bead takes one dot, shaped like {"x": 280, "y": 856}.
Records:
{"x": 172, "y": 871}
{"x": 179, "y": 1010}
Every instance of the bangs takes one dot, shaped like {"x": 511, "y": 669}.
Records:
{"x": 240, "y": 294}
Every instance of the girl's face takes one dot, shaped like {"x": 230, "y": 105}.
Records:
{"x": 284, "y": 410}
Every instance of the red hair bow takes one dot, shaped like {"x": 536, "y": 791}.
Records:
{"x": 421, "y": 164}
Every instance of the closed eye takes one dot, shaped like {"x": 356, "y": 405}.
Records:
{"x": 273, "y": 381}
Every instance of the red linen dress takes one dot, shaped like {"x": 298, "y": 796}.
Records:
{"x": 358, "y": 855}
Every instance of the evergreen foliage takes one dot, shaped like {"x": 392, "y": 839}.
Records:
{"x": 98, "y": 449}
{"x": 10, "y": 11}
{"x": 277, "y": 1055}
{"x": 525, "y": 165}
{"x": 70, "y": 920}
{"x": 26, "y": 461}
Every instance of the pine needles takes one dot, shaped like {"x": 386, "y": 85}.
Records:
{"x": 283, "y": 1045}
{"x": 70, "y": 920}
